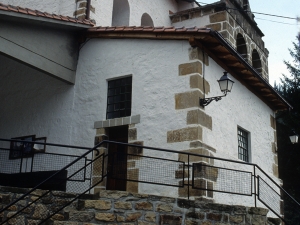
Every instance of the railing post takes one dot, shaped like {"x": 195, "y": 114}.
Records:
{"x": 255, "y": 192}
{"x": 21, "y": 163}
{"x": 188, "y": 176}
{"x": 32, "y": 159}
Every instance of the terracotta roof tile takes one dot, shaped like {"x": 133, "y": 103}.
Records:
{"x": 12, "y": 8}
{"x": 159, "y": 29}
{"x": 192, "y": 29}
{"x": 36, "y": 13}
{"x": 170, "y": 29}
{"x": 22, "y": 10}
{"x": 148, "y": 29}
{"x": 110, "y": 28}
{"x": 127, "y": 28}
{"x": 143, "y": 29}
{"x": 100, "y": 28}
{"x": 31, "y": 12}
{"x": 119, "y": 28}
{"x": 180, "y": 29}
{"x": 65, "y": 18}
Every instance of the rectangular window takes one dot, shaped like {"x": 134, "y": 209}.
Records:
{"x": 119, "y": 98}
{"x": 243, "y": 145}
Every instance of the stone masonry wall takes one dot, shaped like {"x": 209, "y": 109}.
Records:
{"x": 229, "y": 24}
{"x": 124, "y": 208}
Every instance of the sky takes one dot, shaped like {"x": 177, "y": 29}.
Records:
{"x": 279, "y": 35}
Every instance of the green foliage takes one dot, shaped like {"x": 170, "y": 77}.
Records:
{"x": 289, "y": 88}
{"x": 288, "y": 154}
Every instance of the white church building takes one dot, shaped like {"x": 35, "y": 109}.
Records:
{"x": 77, "y": 72}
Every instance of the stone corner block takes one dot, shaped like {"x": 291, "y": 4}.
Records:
{"x": 199, "y": 117}
{"x": 197, "y": 81}
{"x": 185, "y": 134}
{"x": 218, "y": 17}
{"x": 98, "y": 124}
{"x": 196, "y": 53}
{"x": 190, "y": 68}
{"x": 135, "y": 119}
{"x": 188, "y": 99}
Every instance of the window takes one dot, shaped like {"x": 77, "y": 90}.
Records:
{"x": 243, "y": 145}
{"x": 121, "y": 13}
{"x": 146, "y": 20}
{"x": 241, "y": 46}
{"x": 256, "y": 63}
{"x": 119, "y": 98}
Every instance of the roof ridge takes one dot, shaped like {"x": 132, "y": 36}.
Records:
{"x": 38, "y": 13}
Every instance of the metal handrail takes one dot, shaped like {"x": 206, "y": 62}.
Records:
{"x": 49, "y": 178}
{"x": 188, "y": 165}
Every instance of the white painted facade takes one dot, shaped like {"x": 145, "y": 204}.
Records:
{"x": 65, "y": 7}
{"x": 66, "y": 114}
{"x": 103, "y": 13}
{"x": 34, "y": 103}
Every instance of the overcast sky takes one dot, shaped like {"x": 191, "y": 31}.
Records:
{"x": 279, "y": 35}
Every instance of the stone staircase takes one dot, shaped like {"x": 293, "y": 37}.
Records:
{"x": 124, "y": 208}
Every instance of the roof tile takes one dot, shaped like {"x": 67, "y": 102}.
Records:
{"x": 31, "y": 12}
{"x": 110, "y": 28}
{"x": 128, "y": 28}
{"x": 119, "y": 28}
{"x": 22, "y": 10}
{"x": 12, "y": 8}
{"x": 139, "y": 29}
{"x": 170, "y": 29}
{"x": 148, "y": 29}
{"x": 3, "y": 7}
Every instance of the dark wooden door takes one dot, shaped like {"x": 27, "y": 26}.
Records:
{"x": 117, "y": 159}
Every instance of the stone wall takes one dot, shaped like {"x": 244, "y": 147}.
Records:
{"x": 229, "y": 23}
{"x": 124, "y": 208}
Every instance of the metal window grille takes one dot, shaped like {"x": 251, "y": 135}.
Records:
{"x": 243, "y": 147}
{"x": 119, "y": 98}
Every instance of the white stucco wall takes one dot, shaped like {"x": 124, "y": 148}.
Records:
{"x": 34, "y": 103}
{"x": 157, "y": 9}
{"x": 204, "y": 21}
{"x": 65, "y": 7}
{"x": 154, "y": 68}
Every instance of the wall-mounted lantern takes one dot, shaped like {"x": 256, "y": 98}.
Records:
{"x": 294, "y": 137}
{"x": 225, "y": 85}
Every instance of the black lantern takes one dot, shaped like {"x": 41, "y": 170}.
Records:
{"x": 294, "y": 137}
{"x": 225, "y": 85}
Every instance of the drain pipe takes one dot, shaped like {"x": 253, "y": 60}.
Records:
{"x": 88, "y": 9}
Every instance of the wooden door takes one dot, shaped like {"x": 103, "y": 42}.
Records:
{"x": 117, "y": 159}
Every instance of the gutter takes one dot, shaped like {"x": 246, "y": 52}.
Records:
{"x": 88, "y": 9}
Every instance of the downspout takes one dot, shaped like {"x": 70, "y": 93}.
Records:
{"x": 88, "y": 9}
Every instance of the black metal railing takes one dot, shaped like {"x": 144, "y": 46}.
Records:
{"x": 191, "y": 175}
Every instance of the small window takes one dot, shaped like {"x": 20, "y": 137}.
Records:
{"x": 243, "y": 145}
{"x": 119, "y": 98}
{"x": 146, "y": 20}
{"x": 241, "y": 46}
